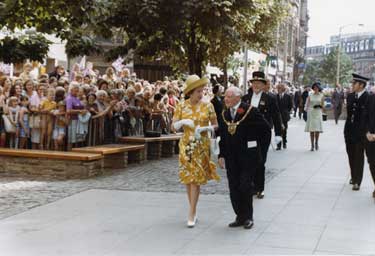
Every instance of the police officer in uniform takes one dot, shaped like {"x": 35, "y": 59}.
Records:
{"x": 370, "y": 148}
{"x": 241, "y": 127}
{"x": 356, "y": 128}
{"x": 266, "y": 103}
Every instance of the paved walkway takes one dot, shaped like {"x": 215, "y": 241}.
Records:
{"x": 309, "y": 208}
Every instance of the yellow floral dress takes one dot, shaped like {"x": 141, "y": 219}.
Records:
{"x": 195, "y": 163}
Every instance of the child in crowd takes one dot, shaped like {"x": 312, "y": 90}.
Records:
{"x": 12, "y": 115}
{"x": 61, "y": 121}
{"x": 46, "y": 107}
{"x": 24, "y": 122}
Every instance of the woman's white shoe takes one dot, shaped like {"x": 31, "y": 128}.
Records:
{"x": 191, "y": 224}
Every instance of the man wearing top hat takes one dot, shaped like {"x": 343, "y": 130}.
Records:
{"x": 241, "y": 128}
{"x": 356, "y": 128}
{"x": 267, "y": 106}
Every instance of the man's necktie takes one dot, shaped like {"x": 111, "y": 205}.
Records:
{"x": 233, "y": 113}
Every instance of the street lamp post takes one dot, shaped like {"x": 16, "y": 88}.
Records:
{"x": 339, "y": 51}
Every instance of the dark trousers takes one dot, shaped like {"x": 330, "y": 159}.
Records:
{"x": 356, "y": 154}
{"x": 284, "y": 133}
{"x": 337, "y": 114}
{"x": 260, "y": 172}
{"x": 295, "y": 111}
{"x": 370, "y": 152}
{"x": 240, "y": 180}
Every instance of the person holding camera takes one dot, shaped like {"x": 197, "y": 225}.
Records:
{"x": 314, "y": 108}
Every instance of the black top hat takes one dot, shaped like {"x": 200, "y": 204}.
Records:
{"x": 359, "y": 78}
{"x": 259, "y": 76}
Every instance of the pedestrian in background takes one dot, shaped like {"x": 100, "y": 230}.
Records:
{"x": 314, "y": 108}
{"x": 338, "y": 98}
{"x": 285, "y": 104}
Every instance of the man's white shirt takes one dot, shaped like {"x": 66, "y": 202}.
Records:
{"x": 255, "y": 99}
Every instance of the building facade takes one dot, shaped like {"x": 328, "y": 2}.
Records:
{"x": 287, "y": 57}
{"x": 360, "y": 47}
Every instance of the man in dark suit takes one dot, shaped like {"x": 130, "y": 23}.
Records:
{"x": 370, "y": 149}
{"x": 337, "y": 102}
{"x": 297, "y": 101}
{"x": 285, "y": 103}
{"x": 356, "y": 128}
{"x": 217, "y": 100}
{"x": 267, "y": 106}
{"x": 305, "y": 95}
{"x": 240, "y": 129}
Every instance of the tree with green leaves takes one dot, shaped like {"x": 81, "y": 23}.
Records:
{"x": 329, "y": 68}
{"x": 326, "y": 69}
{"x": 312, "y": 72}
{"x": 184, "y": 34}
{"x": 69, "y": 20}
{"x": 31, "y": 47}
{"x": 189, "y": 34}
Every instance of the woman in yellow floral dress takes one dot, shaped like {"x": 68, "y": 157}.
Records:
{"x": 196, "y": 118}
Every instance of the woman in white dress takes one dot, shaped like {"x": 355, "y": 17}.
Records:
{"x": 314, "y": 108}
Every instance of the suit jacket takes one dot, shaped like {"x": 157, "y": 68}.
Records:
{"x": 218, "y": 105}
{"x": 337, "y": 100}
{"x": 297, "y": 98}
{"x": 285, "y": 105}
{"x": 370, "y": 114}
{"x": 268, "y": 108}
{"x": 356, "y": 122}
{"x": 240, "y": 146}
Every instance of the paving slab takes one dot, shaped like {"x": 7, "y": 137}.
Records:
{"x": 309, "y": 208}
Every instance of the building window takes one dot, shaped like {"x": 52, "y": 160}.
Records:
{"x": 367, "y": 45}
{"x": 352, "y": 47}
{"x": 362, "y": 45}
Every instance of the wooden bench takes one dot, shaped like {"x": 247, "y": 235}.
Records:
{"x": 49, "y": 164}
{"x": 116, "y": 156}
{"x": 155, "y": 148}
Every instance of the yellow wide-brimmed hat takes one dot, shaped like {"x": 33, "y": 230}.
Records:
{"x": 193, "y": 82}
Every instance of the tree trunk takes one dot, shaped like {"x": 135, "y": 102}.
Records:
{"x": 225, "y": 71}
{"x": 195, "y": 57}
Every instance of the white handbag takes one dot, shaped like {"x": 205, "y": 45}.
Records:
{"x": 214, "y": 145}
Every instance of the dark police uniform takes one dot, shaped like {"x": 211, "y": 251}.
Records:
{"x": 268, "y": 108}
{"x": 355, "y": 131}
{"x": 241, "y": 152}
{"x": 370, "y": 147}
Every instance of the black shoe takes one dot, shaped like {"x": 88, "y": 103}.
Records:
{"x": 351, "y": 182}
{"x": 312, "y": 148}
{"x": 316, "y": 146}
{"x": 373, "y": 194}
{"x": 248, "y": 224}
{"x": 284, "y": 146}
{"x": 260, "y": 195}
{"x": 236, "y": 224}
{"x": 355, "y": 187}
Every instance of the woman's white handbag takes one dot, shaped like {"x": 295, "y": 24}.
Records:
{"x": 214, "y": 145}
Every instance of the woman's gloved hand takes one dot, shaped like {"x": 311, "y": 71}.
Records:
{"x": 199, "y": 130}
{"x": 184, "y": 122}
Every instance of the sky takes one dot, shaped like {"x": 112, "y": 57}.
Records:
{"x": 327, "y": 16}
